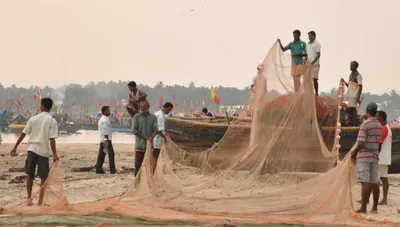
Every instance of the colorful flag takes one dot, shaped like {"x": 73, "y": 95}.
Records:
{"x": 160, "y": 103}
{"x": 203, "y": 103}
{"x": 191, "y": 104}
{"x": 214, "y": 96}
{"x": 173, "y": 99}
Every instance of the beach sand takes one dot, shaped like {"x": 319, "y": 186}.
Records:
{"x": 89, "y": 186}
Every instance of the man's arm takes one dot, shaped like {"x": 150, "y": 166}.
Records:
{"x": 53, "y": 149}
{"x": 362, "y": 135}
{"x": 135, "y": 127}
{"x": 142, "y": 95}
{"x": 318, "y": 50}
{"x": 27, "y": 130}
{"x": 283, "y": 48}
{"x": 383, "y": 136}
{"x": 161, "y": 127}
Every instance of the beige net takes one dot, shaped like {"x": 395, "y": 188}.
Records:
{"x": 263, "y": 172}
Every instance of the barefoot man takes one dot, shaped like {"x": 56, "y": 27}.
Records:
{"x": 144, "y": 127}
{"x": 354, "y": 90}
{"x": 366, "y": 155}
{"x": 385, "y": 155}
{"x": 313, "y": 56}
{"x": 160, "y": 138}
{"x": 135, "y": 97}
{"x": 298, "y": 49}
{"x": 41, "y": 128}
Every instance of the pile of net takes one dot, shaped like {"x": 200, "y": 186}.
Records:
{"x": 265, "y": 175}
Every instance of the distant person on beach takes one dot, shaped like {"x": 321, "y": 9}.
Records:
{"x": 313, "y": 56}
{"x": 354, "y": 90}
{"x": 106, "y": 147}
{"x": 206, "y": 113}
{"x": 366, "y": 156}
{"x": 160, "y": 138}
{"x": 144, "y": 127}
{"x": 42, "y": 129}
{"x": 135, "y": 97}
{"x": 298, "y": 50}
{"x": 385, "y": 155}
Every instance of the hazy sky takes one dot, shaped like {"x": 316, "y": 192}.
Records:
{"x": 210, "y": 42}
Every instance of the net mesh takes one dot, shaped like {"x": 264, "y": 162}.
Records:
{"x": 259, "y": 172}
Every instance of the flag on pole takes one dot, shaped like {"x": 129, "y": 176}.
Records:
{"x": 214, "y": 96}
{"x": 173, "y": 99}
{"x": 160, "y": 103}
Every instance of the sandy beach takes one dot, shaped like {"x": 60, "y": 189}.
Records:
{"x": 88, "y": 186}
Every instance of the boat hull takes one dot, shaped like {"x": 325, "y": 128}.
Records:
{"x": 202, "y": 135}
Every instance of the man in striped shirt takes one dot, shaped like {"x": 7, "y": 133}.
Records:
{"x": 367, "y": 158}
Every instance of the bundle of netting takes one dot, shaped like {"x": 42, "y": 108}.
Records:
{"x": 283, "y": 170}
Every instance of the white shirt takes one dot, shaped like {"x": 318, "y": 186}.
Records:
{"x": 158, "y": 140}
{"x": 41, "y": 128}
{"x": 312, "y": 50}
{"x": 385, "y": 156}
{"x": 352, "y": 89}
{"x": 104, "y": 127}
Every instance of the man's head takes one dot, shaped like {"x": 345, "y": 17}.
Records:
{"x": 382, "y": 117}
{"x": 205, "y": 110}
{"x": 46, "y": 104}
{"x": 105, "y": 110}
{"x": 132, "y": 86}
{"x": 353, "y": 66}
{"x": 144, "y": 107}
{"x": 372, "y": 109}
{"x": 311, "y": 36}
{"x": 167, "y": 107}
{"x": 296, "y": 35}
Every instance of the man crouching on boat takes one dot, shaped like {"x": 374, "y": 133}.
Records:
{"x": 366, "y": 155}
{"x": 135, "y": 97}
{"x": 41, "y": 128}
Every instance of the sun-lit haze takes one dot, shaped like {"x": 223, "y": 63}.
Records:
{"x": 210, "y": 42}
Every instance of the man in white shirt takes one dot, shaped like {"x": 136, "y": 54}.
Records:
{"x": 41, "y": 128}
{"x": 104, "y": 127}
{"x": 354, "y": 90}
{"x": 160, "y": 138}
{"x": 313, "y": 54}
{"x": 385, "y": 155}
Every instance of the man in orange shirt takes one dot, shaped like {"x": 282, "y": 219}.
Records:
{"x": 385, "y": 155}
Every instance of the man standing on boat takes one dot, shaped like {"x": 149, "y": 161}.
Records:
{"x": 106, "y": 146}
{"x": 366, "y": 155}
{"x": 354, "y": 90}
{"x": 160, "y": 138}
{"x": 298, "y": 49}
{"x": 313, "y": 55}
{"x": 385, "y": 155}
{"x": 135, "y": 97}
{"x": 144, "y": 127}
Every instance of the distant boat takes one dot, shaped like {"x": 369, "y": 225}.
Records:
{"x": 68, "y": 128}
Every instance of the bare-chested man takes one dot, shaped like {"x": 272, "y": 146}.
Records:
{"x": 135, "y": 97}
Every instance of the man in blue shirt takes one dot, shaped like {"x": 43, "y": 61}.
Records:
{"x": 298, "y": 49}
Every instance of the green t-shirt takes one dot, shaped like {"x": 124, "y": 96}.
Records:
{"x": 297, "y": 47}
{"x": 145, "y": 125}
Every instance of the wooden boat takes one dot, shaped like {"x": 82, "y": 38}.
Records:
{"x": 201, "y": 134}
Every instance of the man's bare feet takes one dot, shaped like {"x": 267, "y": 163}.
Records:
{"x": 361, "y": 211}
{"x": 29, "y": 203}
{"x": 359, "y": 201}
{"x": 382, "y": 203}
{"x": 374, "y": 211}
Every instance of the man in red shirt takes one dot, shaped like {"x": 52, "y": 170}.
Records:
{"x": 385, "y": 155}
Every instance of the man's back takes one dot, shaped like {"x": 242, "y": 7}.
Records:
{"x": 370, "y": 133}
{"x": 41, "y": 128}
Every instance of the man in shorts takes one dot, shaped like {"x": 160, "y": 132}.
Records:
{"x": 41, "y": 128}
{"x": 366, "y": 155}
{"x": 385, "y": 155}
{"x": 144, "y": 127}
{"x": 298, "y": 49}
{"x": 313, "y": 56}
{"x": 354, "y": 90}
{"x": 160, "y": 138}
{"x": 135, "y": 97}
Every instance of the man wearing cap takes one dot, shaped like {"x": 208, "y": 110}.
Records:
{"x": 366, "y": 155}
{"x": 354, "y": 90}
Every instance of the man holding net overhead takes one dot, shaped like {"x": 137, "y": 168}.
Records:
{"x": 298, "y": 49}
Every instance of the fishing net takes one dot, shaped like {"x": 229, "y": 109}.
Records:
{"x": 280, "y": 167}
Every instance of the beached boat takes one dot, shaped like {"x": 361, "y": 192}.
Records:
{"x": 200, "y": 134}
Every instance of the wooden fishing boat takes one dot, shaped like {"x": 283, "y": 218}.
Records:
{"x": 198, "y": 134}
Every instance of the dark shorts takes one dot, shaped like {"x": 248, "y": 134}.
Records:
{"x": 156, "y": 152}
{"x": 34, "y": 159}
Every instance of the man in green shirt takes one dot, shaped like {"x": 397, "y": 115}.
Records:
{"x": 298, "y": 49}
{"x": 144, "y": 127}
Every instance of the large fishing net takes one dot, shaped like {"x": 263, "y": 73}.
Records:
{"x": 281, "y": 167}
